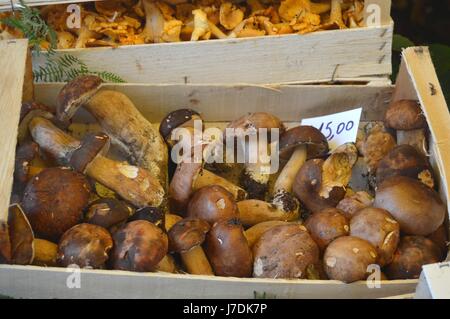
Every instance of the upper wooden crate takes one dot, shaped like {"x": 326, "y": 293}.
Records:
{"x": 417, "y": 80}
{"x": 360, "y": 54}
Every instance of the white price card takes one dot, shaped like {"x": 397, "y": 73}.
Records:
{"x": 438, "y": 279}
{"x": 338, "y": 128}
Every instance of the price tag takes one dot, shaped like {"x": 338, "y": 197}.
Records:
{"x": 438, "y": 280}
{"x": 338, "y": 128}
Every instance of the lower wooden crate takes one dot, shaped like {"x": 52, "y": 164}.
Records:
{"x": 417, "y": 80}
{"x": 38, "y": 282}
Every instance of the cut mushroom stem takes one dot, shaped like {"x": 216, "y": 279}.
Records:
{"x": 255, "y": 232}
{"x": 132, "y": 183}
{"x": 206, "y": 178}
{"x": 254, "y": 211}
{"x": 285, "y": 180}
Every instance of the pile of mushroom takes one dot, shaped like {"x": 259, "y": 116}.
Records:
{"x": 130, "y": 22}
{"x": 105, "y": 199}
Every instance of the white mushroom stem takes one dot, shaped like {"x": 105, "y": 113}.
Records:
{"x": 206, "y": 178}
{"x": 286, "y": 178}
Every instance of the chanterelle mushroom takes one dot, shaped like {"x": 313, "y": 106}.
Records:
{"x": 201, "y": 25}
{"x": 230, "y": 15}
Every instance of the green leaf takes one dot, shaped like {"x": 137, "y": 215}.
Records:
{"x": 441, "y": 57}
{"x": 400, "y": 42}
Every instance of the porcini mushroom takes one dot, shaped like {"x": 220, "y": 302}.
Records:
{"x": 380, "y": 229}
{"x": 297, "y": 145}
{"x": 417, "y": 208}
{"x": 327, "y": 225}
{"x": 321, "y": 184}
{"x": 29, "y": 111}
{"x": 85, "y": 245}
{"x": 350, "y": 205}
{"x": 440, "y": 238}
{"x": 190, "y": 177}
{"x": 121, "y": 120}
{"x": 227, "y": 249}
{"x": 132, "y": 183}
{"x": 347, "y": 259}
{"x": 212, "y": 204}
{"x": 186, "y": 238}
{"x": 138, "y": 246}
{"x": 407, "y": 118}
{"x": 47, "y": 204}
{"x": 413, "y": 252}
{"x": 108, "y": 213}
{"x": 256, "y": 175}
{"x": 284, "y": 251}
{"x": 154, "y": 215}
{"x": 405, "y": 160}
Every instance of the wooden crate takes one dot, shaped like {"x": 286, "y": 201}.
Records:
{"x": 417, "y": 80}
{"x": 361, "y": 54}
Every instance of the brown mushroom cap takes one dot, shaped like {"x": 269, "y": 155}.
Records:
{"x": 25, "y": 154}
{"x": 211, "y": 204}
{"x": 174, "y": 120}
{"x": 413, "y": 252}
{"x": 74, "y": 94}
{"x": 92, "y": 145}
{"x": 85, "y": 245}
{"x": 380, "y": 229}
{"x": 28, "y": 111}
{"x": 107, "y": 212}
{"x": 350, "y": 205}
{"x": 187, "y": 234}
{"x": 5, "y": 243}
{"x": 347, "y": 258}
{"x": 308, "y": 184}
{"x": 417, "y": 208}
{"x": 309, "y": 136}
{"x": 54, "y": 201}
{"x": 139, "y": 246}
{"x": 228, "y": 250}
{"x": 405, "y": 115}
{"x": 440, "y": 238}
{"x": 284, "y": 251}
{"x": 327, "y": 225}
{"x": 153, "y": 215}
{"x": 405, "y": 160}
